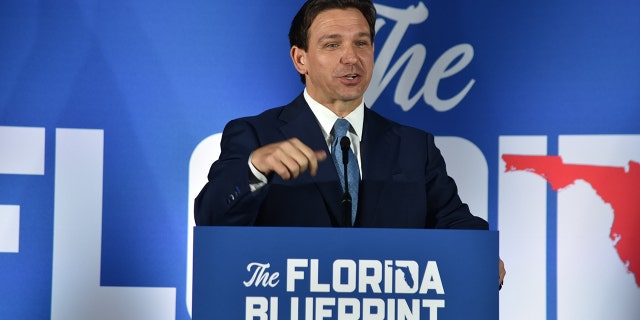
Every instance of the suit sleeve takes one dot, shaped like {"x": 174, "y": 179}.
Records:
{"x": 226, "y": 199}
{"x": 445, "y": 208}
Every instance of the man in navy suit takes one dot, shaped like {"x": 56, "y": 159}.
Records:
{"x": 275, "y": 168}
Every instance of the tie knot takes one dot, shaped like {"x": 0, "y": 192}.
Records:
{"x": 340, "y": 127}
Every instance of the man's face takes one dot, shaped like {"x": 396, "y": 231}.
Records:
{"x": 339, "y": 61}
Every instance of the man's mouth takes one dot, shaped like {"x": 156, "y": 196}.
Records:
{"x": 351, "y": 76}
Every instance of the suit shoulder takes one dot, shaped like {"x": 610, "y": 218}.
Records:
{"x": 270, "y": 116}
{"x": 398, "y": 128}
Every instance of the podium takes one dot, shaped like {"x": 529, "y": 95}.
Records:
{"x": 275, "y": 273}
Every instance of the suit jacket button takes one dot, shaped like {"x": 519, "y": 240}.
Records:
{"x": 231, "y": 198}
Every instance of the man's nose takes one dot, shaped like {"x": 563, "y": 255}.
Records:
{"x": 349, "y": 56}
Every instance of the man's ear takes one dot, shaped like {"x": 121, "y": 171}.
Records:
{"x": 298, "y": 56}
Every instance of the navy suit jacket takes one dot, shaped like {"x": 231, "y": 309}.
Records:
{"x": 404, "y": 180}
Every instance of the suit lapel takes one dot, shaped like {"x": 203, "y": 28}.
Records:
{"x": 379, "y": 153}
{"x": 300, "y": 122}
{"x": 379, "y": 144}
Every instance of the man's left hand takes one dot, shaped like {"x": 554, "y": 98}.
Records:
{"x": 502, "y": 273}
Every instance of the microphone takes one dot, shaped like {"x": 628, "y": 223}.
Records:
{"x": 345, "y": 144}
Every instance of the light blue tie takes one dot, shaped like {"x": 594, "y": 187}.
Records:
{"x": 340, "y": 129}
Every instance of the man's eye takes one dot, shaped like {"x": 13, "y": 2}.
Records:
{"x": 331, "y": 45}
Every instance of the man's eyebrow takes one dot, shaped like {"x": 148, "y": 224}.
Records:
{"x": 336, "y": 36}
{"x": 330, "y": 37}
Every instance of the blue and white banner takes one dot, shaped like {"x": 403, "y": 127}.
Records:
{"x": 346, "y": 274}
{"x": 110, "y": 113}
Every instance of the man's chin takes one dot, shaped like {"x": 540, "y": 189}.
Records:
{"x": 352, "y": 95}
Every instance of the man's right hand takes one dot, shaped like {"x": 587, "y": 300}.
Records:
{"x": 287, "y": 158}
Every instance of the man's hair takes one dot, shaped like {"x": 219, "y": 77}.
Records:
{"x": 299, "y": 31}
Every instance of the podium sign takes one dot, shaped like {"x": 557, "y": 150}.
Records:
{"x": 344, "y": 273}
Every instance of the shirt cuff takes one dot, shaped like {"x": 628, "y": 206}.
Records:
{"x": 257, "y": 180}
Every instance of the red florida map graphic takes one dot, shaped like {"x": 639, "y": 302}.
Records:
{"x": 617, "y": 186}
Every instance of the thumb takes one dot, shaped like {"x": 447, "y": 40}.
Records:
{"x": 321, "y": 155}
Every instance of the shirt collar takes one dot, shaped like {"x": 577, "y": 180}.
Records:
{"x": 327, "y": 118}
